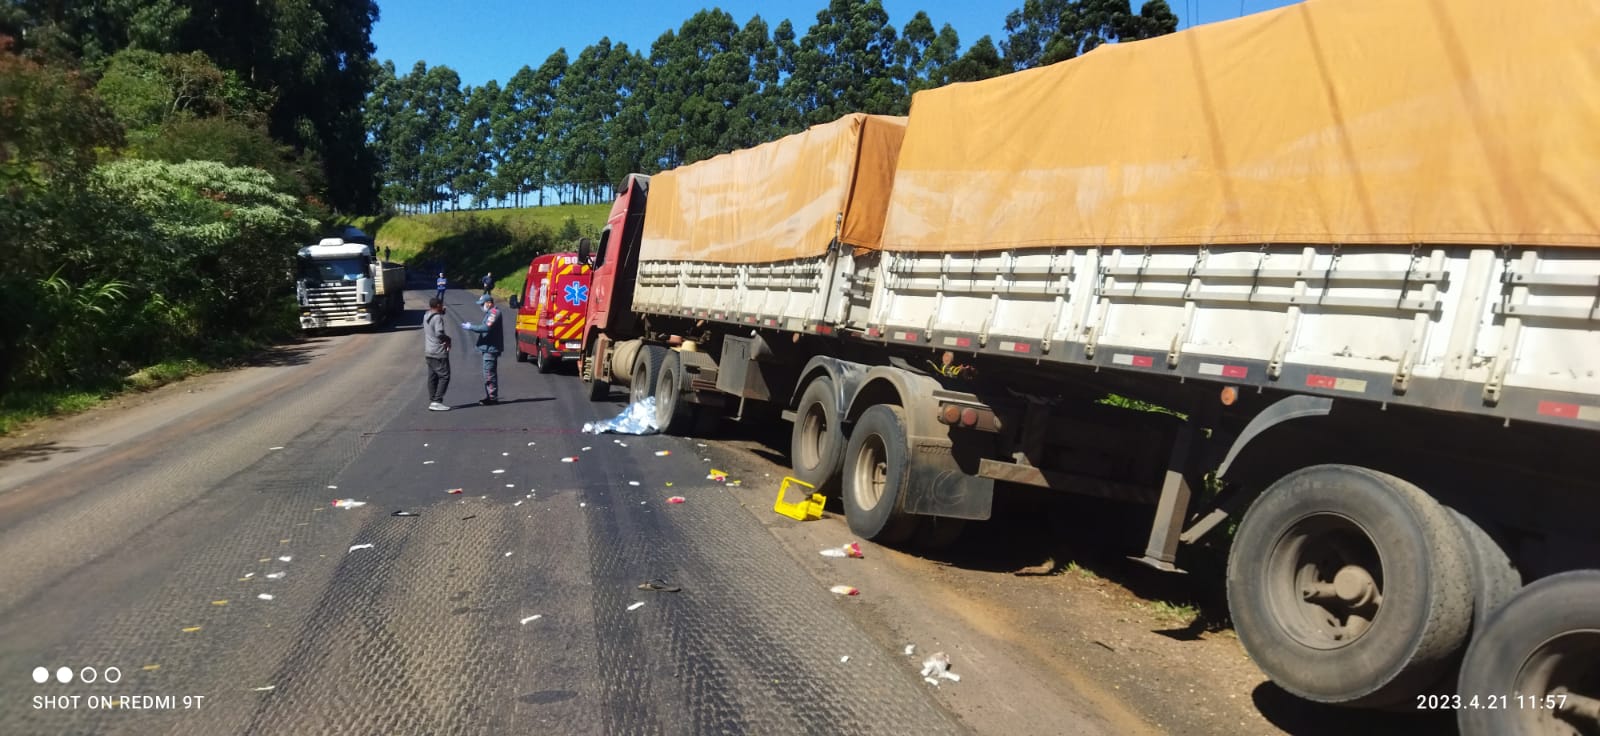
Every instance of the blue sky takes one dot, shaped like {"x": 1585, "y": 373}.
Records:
{"x": 491, "y": 39}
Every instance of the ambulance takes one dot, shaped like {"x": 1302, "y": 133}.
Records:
{"x": 550, "y": 311}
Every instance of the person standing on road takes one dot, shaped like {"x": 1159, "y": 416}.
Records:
{"x": 385, "y": 252}
{"x": 488, "y": 282}
{"x": 490, "y": 342}
{"x": 439, "y": 286}
{"x": 436, "y": 350}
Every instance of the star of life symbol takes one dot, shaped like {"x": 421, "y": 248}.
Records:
{"x": 576, "y": 294}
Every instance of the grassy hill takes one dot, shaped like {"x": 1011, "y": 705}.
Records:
{"x": 471, "y": 242}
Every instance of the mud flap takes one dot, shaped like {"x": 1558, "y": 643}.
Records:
{"x": 937, "y": 487}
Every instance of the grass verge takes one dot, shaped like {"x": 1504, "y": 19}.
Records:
{"x": 21, "y": 407}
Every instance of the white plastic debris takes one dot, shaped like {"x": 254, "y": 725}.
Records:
{"x": 508, "y": 554}
{"x": 569, "y": 459}
{"x": 845, "y": 658}
{"x": 499, "y": 471}
{"x": 274, "y": 575}
{"x": 427, "y": 462}
{"x": 285, "y": 558}
{"x": 636, "y": 606}
{"x": 911, "y": 649}
{"x": 833, "y": 552}
{"x": 505, "y": 454}
{"x": 638, "y": 418}
{"x": 348, "y": 503}
{"x": 633, "y": 483}
{"x": 263, "y": 689}
{"x": 582, "y": 505}
{"x": 586, "y": 449}
{"x": 534, "y": 617}
{"x": 355, "y": 547}
{"x": 334, "y": 487}
{"x": 530, "y": 444}
{"x": 265, "y": 596}
{"x": 279, "y": 447}
{"x": 938, "y": 665}
{"x": 518, "y": 503}
{"x": 249, "y": 575}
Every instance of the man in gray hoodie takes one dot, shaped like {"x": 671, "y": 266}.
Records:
{"x": 436, "y": 349}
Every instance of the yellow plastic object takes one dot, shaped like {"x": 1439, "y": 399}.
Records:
{"x": 809, "y": 509}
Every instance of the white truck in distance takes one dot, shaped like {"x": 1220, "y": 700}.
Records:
{"x": 341, "y": 284}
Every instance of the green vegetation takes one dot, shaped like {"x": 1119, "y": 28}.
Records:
{"x": 570, "y": 129}
{"x": 500, "y": 242}
{"x": 1181, "y": 613}
{"x": 160, "y": 162}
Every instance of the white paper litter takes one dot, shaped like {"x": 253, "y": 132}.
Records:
{"x": 633, "y": 482}
{"x": 582, "y": 505}
{"x": 334, "y": 487}
{"x": 518, "y": 503}
{"x": 911, "y": 649}
{"x": 427, "y": 462}
{"x": 845, "y": 658}
{"x": 636, "y": 606}
{"x": 275, "y": 575}
{"x": 833, "y": 552}
{"x": 586, "y": 449}
{"x": 497, "y": 472}
{"x": 285, "y": 558}
{"x": 262, "y": 689}
{"x": 265, "y": 596}
{"x": 249, "y": 575}
{"x": 508, "y": 554}
{"x": 348, "y": 503}
{"x": 505, "y": 454}
{"x": 355, "y": 547}
{"x": 938, "y": 665}
{"x": 279, "y": 447}
{"x": 534, "y": 617}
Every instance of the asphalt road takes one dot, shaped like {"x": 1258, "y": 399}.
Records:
{"x": 153, "y": 552}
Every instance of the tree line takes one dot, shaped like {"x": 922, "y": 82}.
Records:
{"x": 160, "y": 162}
{"x": 572, "y": 127}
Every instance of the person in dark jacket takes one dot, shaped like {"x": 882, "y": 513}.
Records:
{"x": 491, "y": 341}
{"x": 436, "y": 351}
{"x": 488, "y": 283}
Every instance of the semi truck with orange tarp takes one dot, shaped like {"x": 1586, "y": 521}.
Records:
{"x": 1351, "y": 246}
{"x": 550, "y": 310}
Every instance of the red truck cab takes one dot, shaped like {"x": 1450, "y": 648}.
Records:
{"x": 615, "y": 263}
{"x": 551, "y": 310}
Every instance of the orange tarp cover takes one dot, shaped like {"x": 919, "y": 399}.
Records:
{"x": 1329, "y": 121}
{"x": 777, "y": 201}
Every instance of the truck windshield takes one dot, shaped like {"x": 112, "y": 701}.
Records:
{"x": 333, "y": 269}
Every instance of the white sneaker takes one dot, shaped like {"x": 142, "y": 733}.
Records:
{"x": 436, "y": 406}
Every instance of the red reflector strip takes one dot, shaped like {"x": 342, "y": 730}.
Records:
{"x": 1137, "y": 361}
{"x": 1015, "y": 347}
{"x": 824, "y": 330}
{"x": 772, "y": 323}
{"x": 1335, "y": 383}
{"x": 751, "y": 320}
{"x": 873, "y": 332}
{"x": 907, "y": 336}
{"x": 958, "y": 342}
{"x": 1226, "y": 371}
{"x": 1564, "y": 410}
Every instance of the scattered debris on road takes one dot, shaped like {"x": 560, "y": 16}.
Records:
{"x": 348, "y": 503}
{"x": 505, "y": 454}
{"x": 191, "y": 629}
{"x": 844, "y": 659}
{"x": 716, "y": 475}
{"x": 469, "y": 516}
{"x": 850, "y": 550}
{"x": 333, "y": 487}
{"x": 518, "y": 503}
{"x": 223, "y": 602}
{"x": 534, "y": 617}
{"x": 636, "y": 606}
{"x": 265, "y": 596}
{"x": 938, "y": 666}
{"x": 405, "y": 513}
{"x": 586, "y": 449}
{"x": 911, "y": 650}
{"x": 508, "y": 554}
{"x": 806, "y": 509}
{"x": 285, "y": 558}
{"x": 498, "y": 471}
{"x": 633, "y": 483}
{"x": 151, "y": 667}
{"x": 276, "y": 575}
{"x": 279, "y": 447}
{"x": 248, "y": 575}
{"x": 663, "y": 453}
{"x": 844, "y": 590}
{"x": 263, "y": 689}
{"x": 355, "y": 547}
{"x": 660, "y": 586}
{"x": 427, "y": 462}
{"x": 571, "y": 459}
{"x": 676, "y": 499}
{"x": 454, "y": 491}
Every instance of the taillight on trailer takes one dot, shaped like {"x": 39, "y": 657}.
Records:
{"x": 1230, "y": 394}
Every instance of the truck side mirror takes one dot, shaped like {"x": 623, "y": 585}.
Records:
{"x": 585, "y": 249}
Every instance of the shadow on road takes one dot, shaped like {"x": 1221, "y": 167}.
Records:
{"x": 503, "y": 402}
{"x": 1305, "y": 718}
{"x": 36, "y": 452}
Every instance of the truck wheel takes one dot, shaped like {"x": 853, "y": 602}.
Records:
{"x": 673, "y": 414}
{"x": 646, "y": 369}
{"x": 1495, "y": 580}
{"x": 816, "y": 445}
{"x": 1535, "y": 668}
{"x": 1350, "y": 586}
{"x": 598, "y": 389}
{"x": 876, "y": 468}
{"x": 544, "y": 363}
{"x": 521, "y": 356}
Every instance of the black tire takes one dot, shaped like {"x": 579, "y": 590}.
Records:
{"x": 1546, "y": 640}
{"x": 673, "y": 414}
{"x": 543, "y": 361}
{"x": 1495, "y": 580}
{"x": 877, "y": 466}
{"x": 1404, "y": 605}
{"x": 646, "y": 368}
{"x": 521, "y": 356}
{"x": 936, "y": 533}
{"x": 817, "y": 442}
{"x": 595, "y": 387}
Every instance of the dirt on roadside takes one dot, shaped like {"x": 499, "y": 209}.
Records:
{"x": 1051, "y": 576}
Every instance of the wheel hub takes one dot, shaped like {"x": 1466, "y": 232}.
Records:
{"x": 1332, "y": 568}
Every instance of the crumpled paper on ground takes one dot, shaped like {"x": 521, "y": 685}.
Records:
{"x": 638, "y": 418}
